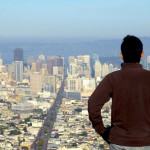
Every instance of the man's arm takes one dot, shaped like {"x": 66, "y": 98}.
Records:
{"x": 100, "y": 96}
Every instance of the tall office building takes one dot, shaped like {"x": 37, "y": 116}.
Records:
{"x": 105, "y": 70}
{"x": 36, "y": 82}
{"x": 18, "y": 66}
{"x": 42, "y": 57}
{"x": 74, "y": 84}
{"x": 30, "y": 60}
{"x": 98, "y": 69}
{"x": 54, "y": 61}
{"x": 18, "y": 54}
{"x": 71, "y": 59}
{"x": 94, "y": 58}
{"x": 49, "y": 83}
{"x": 38, "y": 65}
{"x": 72, "y": 69}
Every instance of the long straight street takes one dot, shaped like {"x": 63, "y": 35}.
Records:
{"x": 44, "y": 133}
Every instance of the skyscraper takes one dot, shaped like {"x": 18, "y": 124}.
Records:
{"x": 54, "y": 61}
{"x": 18, "y": 65}
{"x": 98, "y": 69}
{"x": 42, "y": 57}
{"x": 36, "y": 82}
{"x": 18, "y": 54}
{"x": 49, "y": 83}
{"x": 30, "y": 60}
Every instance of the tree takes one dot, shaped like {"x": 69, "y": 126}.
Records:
{"x": 84, "y": 133}
{"x": 101, "y": 147}
{"x": 41, "y": 142}
{"x": 74, "y": 145}
{"x": 25, "y": 148}
{"x": 25, "y": 129}
{"x": 12, "y": 124}
{"x": 48, "y": 124}
{"x": 1, "y": 131}
{"x": 45, "y": 130}
{"x": 14, "y": 132}
{"x": 78, "y": 109}
{"x": 27, "y": 120}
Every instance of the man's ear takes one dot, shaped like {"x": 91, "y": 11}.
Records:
{"x": 121, "y": 55}
{"x": 142, "y": 54}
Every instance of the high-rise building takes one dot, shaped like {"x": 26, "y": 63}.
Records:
{"x": 49, "y": 83}
{"x": 50, "y": 64}
{"x": 105, "y": 69}
{"x": 72, "y": 69}
{"x": 148, "y": 62}
{"x": 18, "y": 54}
{"x": 36, "y": 82}
{"x": 38, "y": 65}
{"x": 98, "y": 69}
{"x": 54, "y": 61}
{"x": 42, "y": 57}
{"x": 10, "y": 68}
{"x": 18, "y": 66}
{"x": 74, "y": 84}
{"x": 30, "y": 60}
{"x": 71, "y": 59}
{"x": 33, "y": 67}
{"x": 44, "y": 71}
{"x": 94, "y": 58}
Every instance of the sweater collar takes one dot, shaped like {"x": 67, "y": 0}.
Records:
{"x": 131, "y": 65}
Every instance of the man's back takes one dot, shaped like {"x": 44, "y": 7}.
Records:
{"x": 130, "y": 105}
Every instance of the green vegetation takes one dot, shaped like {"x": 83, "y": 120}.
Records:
{"x": 12, "y": 124}
{"x": 2, "y": 128}
{"x": 25, "y": 148}
{"x": 25, "y": 129}
{"x": 1, "y": 131}
{"x": 38, "y": 111}
{"x": 29, "y": 124}
{"x": 14, "y": 132}
{"x": 74, "y": 145}
{"x": 78, "y": 109}
{"x": 28, "y": 119}
{"x": 101, "y": 147}
{"x": 45, "y": 130}
{"x": 48, "y": 124}
{"x": 84, "y": 133}
{"x": 41, "y": 142}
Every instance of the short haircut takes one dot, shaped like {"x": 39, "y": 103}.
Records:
{"x": 131, "y": 49}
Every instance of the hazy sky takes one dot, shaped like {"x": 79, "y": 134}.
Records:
{"x": 74, "y": 18}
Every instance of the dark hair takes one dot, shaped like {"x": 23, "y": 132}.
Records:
{"x": 131, "y": 49}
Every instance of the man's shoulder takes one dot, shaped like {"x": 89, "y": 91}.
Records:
{"x": 118, "y": 73}
{"x": 113, "y": 73}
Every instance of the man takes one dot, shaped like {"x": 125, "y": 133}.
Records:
{"x": 130, "y": 92}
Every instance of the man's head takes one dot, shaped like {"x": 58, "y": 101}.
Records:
{"x": 131, "y": 49}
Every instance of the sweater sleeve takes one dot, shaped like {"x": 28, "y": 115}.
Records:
{"x": 100, "y": 96}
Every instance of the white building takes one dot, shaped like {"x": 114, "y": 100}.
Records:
{"x": 18, "y": 70}
{"x": 98, "y": 69}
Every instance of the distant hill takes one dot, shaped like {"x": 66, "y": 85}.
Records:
{"x": 104, "y": 48}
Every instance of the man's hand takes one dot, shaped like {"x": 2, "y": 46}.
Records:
{"x": 106, "y": 133}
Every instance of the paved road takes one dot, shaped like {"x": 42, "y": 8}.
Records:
{"x": 44, "y": 133}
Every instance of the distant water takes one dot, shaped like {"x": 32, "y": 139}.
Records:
{"x": 104, "y": 48}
